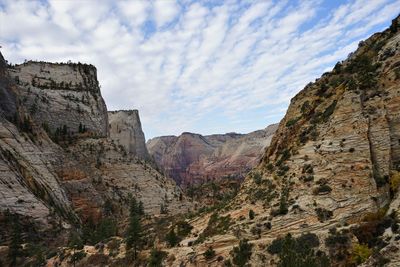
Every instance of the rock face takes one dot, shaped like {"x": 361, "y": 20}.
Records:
{"x": 8, "y": 103}
{"x": 62, "y": 95}
{"x": 54, "y": 176}
{"x": 332, "y": 163}
{"x": 193, "y": 158}
{"x": 126, "y": 130}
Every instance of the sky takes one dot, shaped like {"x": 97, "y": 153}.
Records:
{"x": 194, "y": 66}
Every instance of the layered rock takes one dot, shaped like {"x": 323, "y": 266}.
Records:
{"x": 194, "y": 159}
{"x": 53, "y": 178}
{"x": 333, "y": 163}
{"x": 8, "y": 103}
{"x": 126, "y": 130}
{"x": 62, "y": 95}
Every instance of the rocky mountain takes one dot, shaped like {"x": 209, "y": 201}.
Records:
{"x": 326, "y": 191}
{"x": 194, "y": 159}
{"x": 329, "y": 181}
{"x": 61, "y": 167}
{"x": 62, "y": 95}
{"x": 126, "y": 130}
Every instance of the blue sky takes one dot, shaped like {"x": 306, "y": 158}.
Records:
{"x": 198, "y": 66}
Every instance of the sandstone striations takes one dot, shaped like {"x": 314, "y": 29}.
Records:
{"x": 331, "y": 172}
{"x": 59, "y": 169}
{"x": 324, "y": 193}
{"x": 194, "y": 159}
{"x": 62, "y": 95}
{"x": 126, "y": 130}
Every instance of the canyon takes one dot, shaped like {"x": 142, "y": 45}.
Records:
{"x": 61, "y": 164}
{"x": 192, "y": 159}
{"x": 324, "y": 192}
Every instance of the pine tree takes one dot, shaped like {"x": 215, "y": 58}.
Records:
{"x": 156, "y": 257}
{"x": 133, "y": 206}
{"x": 75, "y": 242}
{"x": 140, "y": 208}
{"x": 171, "y": 238}
{"x": 64, "y": 130}
{"x": 134, "y": 232}
{"x": 16, "y": 240}
{"x": 242, "y": 253}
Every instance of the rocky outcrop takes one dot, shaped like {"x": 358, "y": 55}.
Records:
{"x": 62, "y": 96}
{"x": 332, "y": 164}
{"x": 194, "y": 159}
{"x": 126, "y": 130}
{"x": 8, "y": 103}
{"x": 58, "y": 166}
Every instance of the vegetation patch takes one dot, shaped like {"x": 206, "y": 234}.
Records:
{"x": 300, "y": 252}
{"x": 339, "y": 245}
{"x": 156, "y": 257}
{"x": 371, "y": 230}
{"x": 323, "y": 214}
{"x": 209, "y": 253}
{"x": 217, "y": 225}
{"x": 360, "y": 253}
{"x": 241, "y": 254}
{"x": 292, "y": 122}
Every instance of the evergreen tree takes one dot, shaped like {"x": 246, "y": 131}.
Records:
{"x": 209, "y": 254}
{"x": 64, "y": 130}
{"x": 140, "y": 208}
{"x": 299, "y": 252}
{"x": 133, "y": 206}
{"x": 75, "y": 242}
{"x": 156, "y": 257}
{"x": 15, "y": 249}
{"x": 172, "y": 238}
{"x": 134, "y": 232}
{"x": 242, "y": 253}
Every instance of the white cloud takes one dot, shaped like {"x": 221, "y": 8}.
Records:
{"x": 228, "y": 67}
{"x": 165, "y": 11}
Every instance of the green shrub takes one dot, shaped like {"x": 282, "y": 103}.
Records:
{"x": 270, "y": 166}
{"x": 305, "y": 108}
{"x": 329, "y": 111}
{"x": 395, "y": 181}
{"x": 307, "y": 178}
{"x": 360, "y": 253}
{"x": 323, "y": 214}
{"x": 77, "y": 256}
{"x": 209, "y": 253}
{"x": 183, "y": 228}
{"x": 172, "y": 238}
{"x": 338, "y": 244}
{"x": 251, "y": 214}
{"x": 298, "y": 252}
{"x": 374, "y": 225}
{"x": 323, "y": 188}
{"x": 216, "y": 225}
{"x": 276, "y": 246}
{"x": 307, "y": 168}
{"x": 292, "y": 122}
{"x": 156, "y": 257}
{"x": 256, "y": 177}
{"x": 242, "y": 253}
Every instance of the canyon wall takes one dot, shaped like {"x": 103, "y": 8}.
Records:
{"x": 194, "y": 159}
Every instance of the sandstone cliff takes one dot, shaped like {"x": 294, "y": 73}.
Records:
{"x": 126, "y": 130}
{"x": 58, "y": 166}
{"x": 332, "y": 170}
{"x": 194, "y": 159}
{"x": 62, "y": 95}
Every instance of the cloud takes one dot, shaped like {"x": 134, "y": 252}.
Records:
{"x": 200, "y": 66}
{"x": 165, "y": 11}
